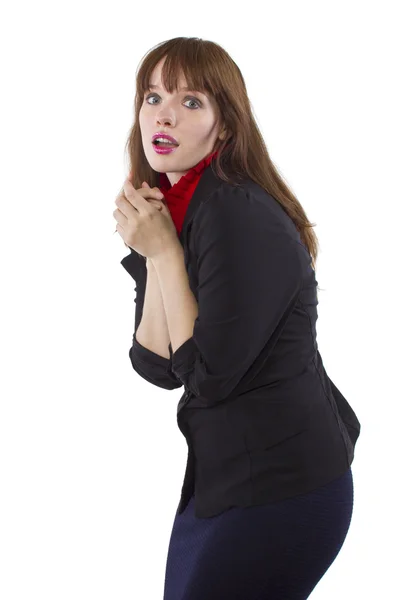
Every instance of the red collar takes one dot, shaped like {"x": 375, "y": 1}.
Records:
{"x": 178, "y": 196}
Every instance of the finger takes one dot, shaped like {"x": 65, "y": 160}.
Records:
{"x": 129, "y": 192}
{"x": 150, "y": 193}
{"x": 129, "y": 189}
{"x": 157, "y": 192}
{"x": 136, "y": 201}
{"x": 158, "y": 205}
{"x": 120, "y": 217}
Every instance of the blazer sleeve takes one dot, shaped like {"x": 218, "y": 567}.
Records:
{"x": 249, "y": 274}
{"x": 150, "y": 366}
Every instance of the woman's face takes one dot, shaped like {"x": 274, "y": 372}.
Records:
{"x": 188, "y": 116}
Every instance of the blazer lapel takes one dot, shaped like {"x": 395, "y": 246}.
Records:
{"x": 207, "y": 184}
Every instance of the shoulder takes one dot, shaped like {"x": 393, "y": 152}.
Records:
{"x": 248, "y": 205}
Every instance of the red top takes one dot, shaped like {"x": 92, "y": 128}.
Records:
{"x": 177, "y": 197}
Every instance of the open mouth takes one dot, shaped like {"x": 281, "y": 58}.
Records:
{"x": 165, "y": 148}
{"x": 165, "y": 144}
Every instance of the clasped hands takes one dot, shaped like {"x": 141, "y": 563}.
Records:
{"x": 144, "y": 221}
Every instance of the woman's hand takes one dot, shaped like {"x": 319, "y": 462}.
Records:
{"x": 144, "y": 223}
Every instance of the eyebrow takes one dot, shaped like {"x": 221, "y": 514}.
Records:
{"x": 152, "y": 86}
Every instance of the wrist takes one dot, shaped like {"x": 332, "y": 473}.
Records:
{"x": 172, "y": 253}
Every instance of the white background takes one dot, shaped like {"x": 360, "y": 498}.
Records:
{"x": 82, "y": 515}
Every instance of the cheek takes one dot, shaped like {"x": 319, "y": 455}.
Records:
{"x": 143, "y": 124}
{"x": 205, "y": 132}
{"x": 199, "y": 130}
{"x": 142, "y": 115}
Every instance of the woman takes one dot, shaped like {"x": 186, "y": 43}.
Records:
{"x": 224, "y": 260}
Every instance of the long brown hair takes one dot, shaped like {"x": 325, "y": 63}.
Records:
{"x": 207, "y": 67}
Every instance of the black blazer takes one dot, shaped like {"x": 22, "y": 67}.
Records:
{"x": 261, "y": 417}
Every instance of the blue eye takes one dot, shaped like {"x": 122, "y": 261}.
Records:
{"x": 190, "y": 99}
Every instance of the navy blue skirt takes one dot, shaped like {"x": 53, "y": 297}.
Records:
{"x": 278, "y": 551}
